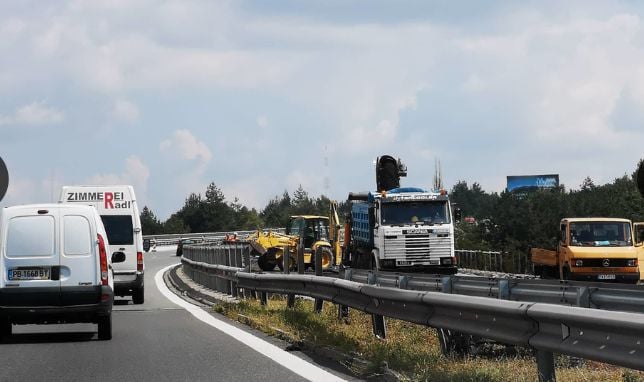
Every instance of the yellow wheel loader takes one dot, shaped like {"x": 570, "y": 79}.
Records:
{"x": 315, "y": 233}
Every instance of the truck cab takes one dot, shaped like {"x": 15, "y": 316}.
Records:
{"x": 404, "y": 228}
{"x": 592, "y": 249}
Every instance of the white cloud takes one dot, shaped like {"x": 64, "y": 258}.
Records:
{"x": 262, "y": 121}
{"x": 35, "y": 113}
{"x": 125, "y": 111}
{"x": 185, "y": 146}
{"x": 136, "y": 173}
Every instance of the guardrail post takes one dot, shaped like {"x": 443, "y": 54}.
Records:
{"x": 504, "y": 289}
{"x": 319, "y": 303}
{"x": 403, "y": 282}
{"x": 343, "y": 310}
{"x": 300, "y": 257}
{"x": 217, "y": 254}
{"x": 246, "y": 266}
{"x": 583, "y": 297}
{"x": 446, "y": 284}
{"x": 263, "y": 298}
{"x": 546, "y": 366}
{"x": 286, "y": 262}
{"x": 229, "y": 262}
{"x": 378, "y": 322}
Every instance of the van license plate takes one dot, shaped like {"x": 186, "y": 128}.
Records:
{"x": 29, "y": 274}
{"x": 606, "y": 277}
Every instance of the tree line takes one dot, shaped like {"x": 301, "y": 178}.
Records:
{"x": 506, "y": 221}
{"x": 211, "y": 212}
{"x": 515, "y": 222}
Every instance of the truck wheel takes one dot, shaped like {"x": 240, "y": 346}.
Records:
{"x": 565, "y": 273}
{"x": 138, "y": 296}
{"x": 105, "y": 327}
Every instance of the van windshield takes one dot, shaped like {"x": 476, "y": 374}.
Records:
{"x": 119, "y": 229}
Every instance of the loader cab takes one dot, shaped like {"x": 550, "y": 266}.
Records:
{"x": 312, "y": 228}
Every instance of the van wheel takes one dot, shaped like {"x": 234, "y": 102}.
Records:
{"x": 5, "y": 329}
{"x": 138, "y": 296}
{"x": 105, "y": 328}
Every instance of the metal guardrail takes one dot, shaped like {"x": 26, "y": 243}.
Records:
{"x": 546, "y": 315}
{"x": 494, "y": 261}
{"x": 603, "y": 296}
{"x": 173, "y": 238}
{"x": 611, "y": 337}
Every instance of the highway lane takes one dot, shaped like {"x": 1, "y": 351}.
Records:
{"x": 157, "y": 341}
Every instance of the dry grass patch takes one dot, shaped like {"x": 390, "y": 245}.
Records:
{"x": 410, "y": 349}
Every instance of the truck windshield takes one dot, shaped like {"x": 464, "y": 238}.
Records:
{"x": 399, "y": 213}
{"x": 599, "y": 234}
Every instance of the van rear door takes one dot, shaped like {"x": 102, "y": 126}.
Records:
{"x": 31, "y": 258}
{"x": 79, "y": 268}
{"x": 120, "y": 233}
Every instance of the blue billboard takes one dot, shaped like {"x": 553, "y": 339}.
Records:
{"x": 522, "y": 183}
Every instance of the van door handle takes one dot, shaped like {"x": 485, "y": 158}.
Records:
{"x": 55, "y": 272}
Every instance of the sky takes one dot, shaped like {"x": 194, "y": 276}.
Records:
{"x": 261, "y": 97}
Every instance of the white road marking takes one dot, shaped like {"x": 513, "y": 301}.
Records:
{"x": 295, "y": 364}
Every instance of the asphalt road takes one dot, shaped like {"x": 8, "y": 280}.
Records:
{"x": 155, "y": 341}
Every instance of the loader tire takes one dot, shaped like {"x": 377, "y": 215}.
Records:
{"x": 327, "y": 258}
{"x": 265, "y": 263}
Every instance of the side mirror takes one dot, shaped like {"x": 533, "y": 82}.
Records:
{"x": 458, "y": 215}
{"x": 146, "y": 245}
{"x": 118, "y": 257}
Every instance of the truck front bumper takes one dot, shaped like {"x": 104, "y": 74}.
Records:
{"x": 606, "y": 277}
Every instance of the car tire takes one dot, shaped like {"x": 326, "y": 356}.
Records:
{"x": 138, "y": 296}
{"x": 105, "y": 328}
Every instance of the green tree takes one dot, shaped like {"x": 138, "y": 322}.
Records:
{"x": 150, "y": 225}
{"x": 175, "y": 224}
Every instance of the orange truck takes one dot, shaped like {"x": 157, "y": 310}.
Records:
{"x": 593, "y": 249}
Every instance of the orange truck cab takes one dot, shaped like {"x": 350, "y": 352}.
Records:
{"x": 592, "y": 249}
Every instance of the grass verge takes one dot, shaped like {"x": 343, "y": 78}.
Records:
{"x": 411, "y": 350}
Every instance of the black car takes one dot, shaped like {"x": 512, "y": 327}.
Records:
{"x": 182, "y": 242}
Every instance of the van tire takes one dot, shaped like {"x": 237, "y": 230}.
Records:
{"x": 5, "y": 329}
{"x": 138, "y": 296}
{"x": 105, "y": 328}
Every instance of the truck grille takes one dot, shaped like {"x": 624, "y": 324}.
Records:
{"x": 606, "y": 262}
{"x": 417, "y": 247}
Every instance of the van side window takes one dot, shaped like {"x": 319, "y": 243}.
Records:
{"x": 78, "y": 238}
{"x": 29, "y": 236}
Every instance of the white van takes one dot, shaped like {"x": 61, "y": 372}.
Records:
{"x": 55, "y": 267}
{"x": 120, "y": 214}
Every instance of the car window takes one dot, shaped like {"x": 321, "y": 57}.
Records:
{"x": 30, "y": 236}
{"x": 77, "y": 240}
